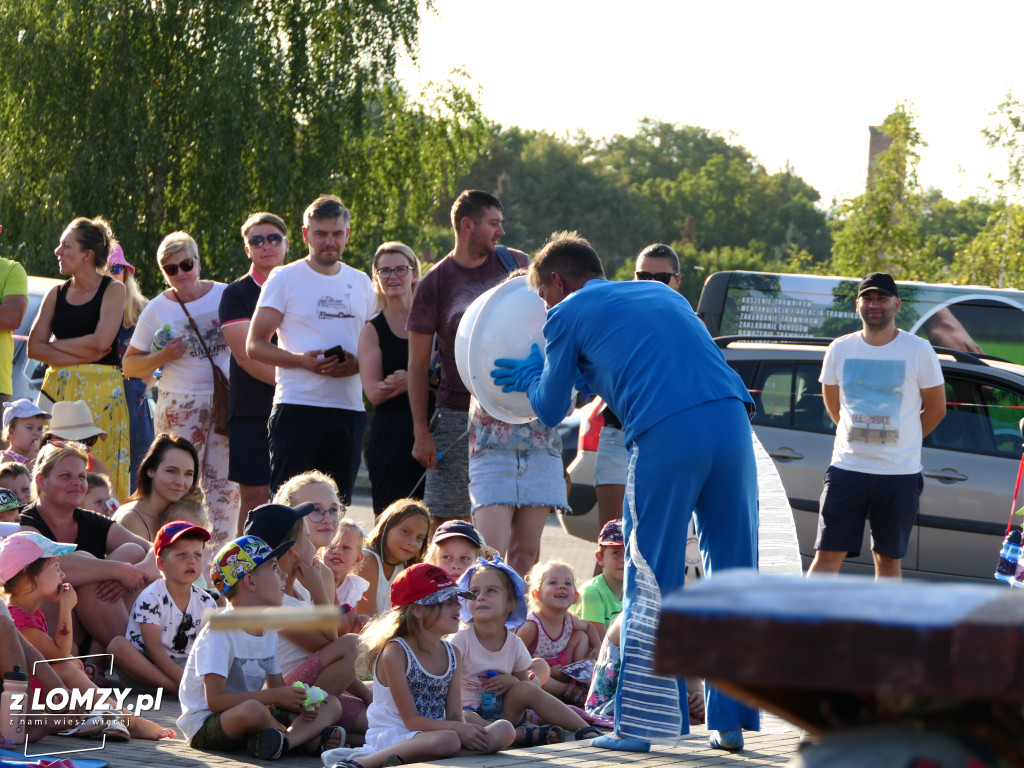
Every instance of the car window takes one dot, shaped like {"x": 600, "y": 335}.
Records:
{"x": 788, "y": 395}
{"x": 980, "y": 418}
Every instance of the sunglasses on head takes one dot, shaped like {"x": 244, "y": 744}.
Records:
{"x": 661, "y": 277}
{"x": 272, "y": 239}
{"x": 172, "y": 269}
{"x": 115, "y": 269}
{"x": 387, "y": 272}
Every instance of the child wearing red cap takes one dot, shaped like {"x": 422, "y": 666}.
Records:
{"x": 416, "y": 714}
{"x": 169, "y": 613}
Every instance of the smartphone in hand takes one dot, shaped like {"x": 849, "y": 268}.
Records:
{"x": 337, "y": 352}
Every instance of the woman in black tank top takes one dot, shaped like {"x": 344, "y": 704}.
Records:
{"x": 383, "y": 358}
{"x": 74, "y": 335}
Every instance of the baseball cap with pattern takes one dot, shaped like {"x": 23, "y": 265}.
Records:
{"x": 8, "y": 500}
{"x": 239, "y": 557}
{"x": 21, "y": 549}
{"x": 611, "y": 534}
{"x": 424, "y": 584}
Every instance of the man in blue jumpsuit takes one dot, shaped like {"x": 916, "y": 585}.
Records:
{"x": 641, "y": 347}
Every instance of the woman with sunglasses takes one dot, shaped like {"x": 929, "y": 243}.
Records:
{"x": 140, "y": 419}
{"x": 165, "y": 338}
{"x": 75, "y": 332}
{"x": 383, "y": 358}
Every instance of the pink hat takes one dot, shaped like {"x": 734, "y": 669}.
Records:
{"x": 117, "y": 257}
{"x": 19, "y": 550}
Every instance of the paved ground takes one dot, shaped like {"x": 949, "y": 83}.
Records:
{"x": 774, "y": 745}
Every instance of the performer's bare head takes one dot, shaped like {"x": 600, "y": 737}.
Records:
{"x": 564, "y": 263}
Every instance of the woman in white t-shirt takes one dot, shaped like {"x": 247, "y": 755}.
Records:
{"x": 164, "y": 338}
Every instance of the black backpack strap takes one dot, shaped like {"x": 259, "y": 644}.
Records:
{"x": 508, "y": 261}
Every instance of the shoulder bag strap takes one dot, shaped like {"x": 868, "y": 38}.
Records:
{"x": 199, "y": 336}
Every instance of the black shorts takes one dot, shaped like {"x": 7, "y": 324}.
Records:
{"x": 305, "y": 437}
{"x": 888, "y": 502}
{"x": 248, "y": 451}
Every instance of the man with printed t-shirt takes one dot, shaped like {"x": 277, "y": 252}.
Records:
{"x": 476, "y": 265}
{"x": 265, "y": 238}
{"x": 316, "y": 306}
{"x": 883, "y": 388}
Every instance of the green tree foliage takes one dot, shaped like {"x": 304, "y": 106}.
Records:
{"x": 190, "y": 114}
{"x": 668, "y": 183}
{"x": 996, "y": 256}
{"x": 879, "y": 230}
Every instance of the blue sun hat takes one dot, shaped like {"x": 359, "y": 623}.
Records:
{"x": 518, "y": 615}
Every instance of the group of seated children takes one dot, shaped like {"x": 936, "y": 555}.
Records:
{"x": 499, "y": 679}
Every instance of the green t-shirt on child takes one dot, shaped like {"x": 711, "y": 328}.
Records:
{"x": 597, "y": 603}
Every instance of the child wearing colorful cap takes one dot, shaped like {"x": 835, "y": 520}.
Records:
{"x": 31, "y": 575}
{"x": 416, "y": 714}
{"x": 225, "y": 705}
{"x": 455, "y": 546}
{"x": 10, "y": 506}
{"x": 601, "y": 597}
{"x": 23, "y": 431}
{"x": 497, "y": 671}
{"x": 169, "y": 613}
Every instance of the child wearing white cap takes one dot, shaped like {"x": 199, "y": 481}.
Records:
{"x": 23, "y": 431}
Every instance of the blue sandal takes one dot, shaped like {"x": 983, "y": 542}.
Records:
{"x": 587, "y": 732}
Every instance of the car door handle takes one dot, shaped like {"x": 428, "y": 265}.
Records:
{"x": 786, "y": 454}
{"x": 945, "y": 475}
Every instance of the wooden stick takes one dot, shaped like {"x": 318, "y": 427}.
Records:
{"x": 289, "y": 619}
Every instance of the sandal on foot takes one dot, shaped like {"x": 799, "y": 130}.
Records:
{"x": 115, "y": 730}
{"x": 540, "y": 735}
{"x": 350, "y": 763}
{"x": 576, "y": 694}
{"x": 331, "y": 733}
{"x": 587, "y": 732}
{"x": 268, "y": 744}
{"x": 393, "y": 760}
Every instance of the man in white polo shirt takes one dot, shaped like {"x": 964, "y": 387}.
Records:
{"x": 317, "y": 307}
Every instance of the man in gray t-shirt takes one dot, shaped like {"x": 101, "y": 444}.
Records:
{"x": 441, "y": 298}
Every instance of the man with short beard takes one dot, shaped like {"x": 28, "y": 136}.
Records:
{"x": 316, "y": 306}
{"x": 475, "y": 265}
{"x": 883, "y": 388}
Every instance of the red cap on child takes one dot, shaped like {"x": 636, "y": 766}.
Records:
{"x": 173, "y": 531}
{"x": 425, "y": 584}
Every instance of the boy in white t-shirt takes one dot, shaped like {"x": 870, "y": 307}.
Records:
{"x": 232, "y": 694}
{"x": 169, "y": 613}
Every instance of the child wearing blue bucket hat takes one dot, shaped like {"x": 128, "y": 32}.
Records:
{"x": 496, "y": 667}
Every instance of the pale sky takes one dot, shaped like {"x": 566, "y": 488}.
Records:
{"x": 796, "y": 82}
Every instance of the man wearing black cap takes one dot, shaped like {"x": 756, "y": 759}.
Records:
{"x": 883, "y": 388}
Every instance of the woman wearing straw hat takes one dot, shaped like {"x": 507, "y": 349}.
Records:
{"x": 140, "y": 418}
{"x": 74, "y": 334}
{"x": 72, "y": 421}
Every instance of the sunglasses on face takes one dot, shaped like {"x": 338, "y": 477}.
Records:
{"x": 172, "y": 269}
{"x": 661, "y": 277}
{"x": 115, "y": 269}
{"x": 386, "y": 272}
{"x": 272, "y": 239}
{"x": 319, "y": 514}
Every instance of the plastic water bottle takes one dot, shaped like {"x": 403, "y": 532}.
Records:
{"x": 12, "y": 719}
{"x": 489, "y": 698}
{"x": 161, "y": 337}
{"x": 1009, "y": 556}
